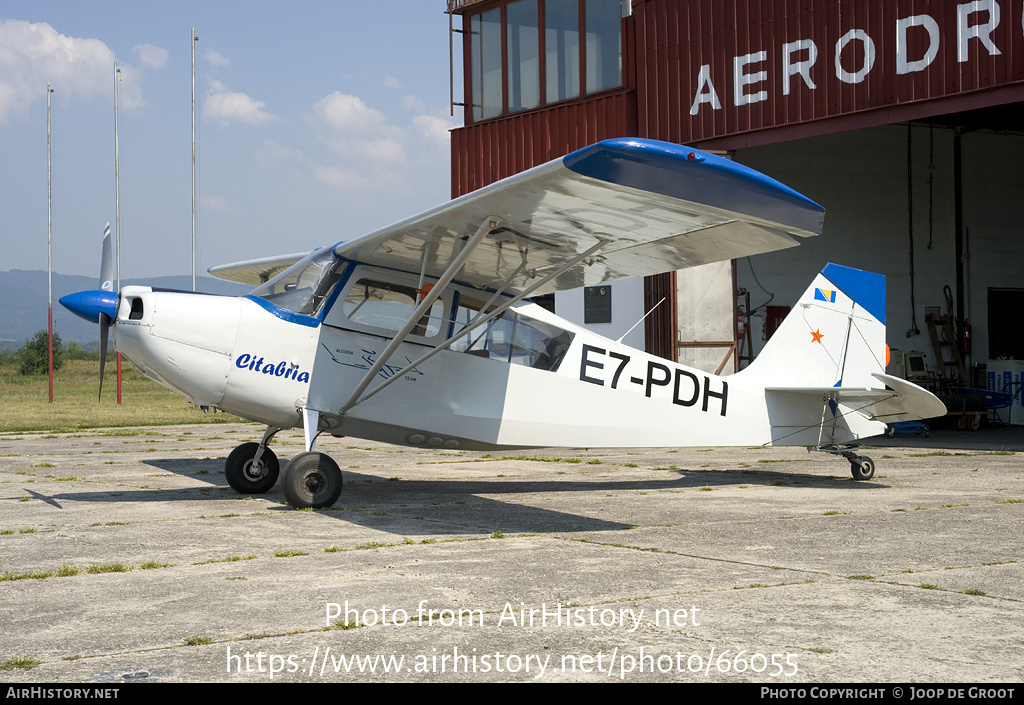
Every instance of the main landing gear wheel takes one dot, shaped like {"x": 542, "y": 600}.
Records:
{"x": 862, "y": 467}
{"x": 247, "y": 477}
{"x": 311, "y": 480}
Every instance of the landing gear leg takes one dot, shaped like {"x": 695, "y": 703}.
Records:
{"x": 252, "y": 468}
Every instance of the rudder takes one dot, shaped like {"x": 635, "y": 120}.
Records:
{"x": 834, "y": 336}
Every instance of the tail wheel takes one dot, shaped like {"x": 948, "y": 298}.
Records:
{"x": 248, "y": 477}
{"x": 862, "y": 467}
{"x": 311, "y": 480}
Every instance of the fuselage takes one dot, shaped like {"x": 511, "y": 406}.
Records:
{"x": 526, "y": 378}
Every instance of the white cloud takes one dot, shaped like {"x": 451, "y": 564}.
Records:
{"x": 392, "y": 82}
{"x": 150, "y": 56}
{"x": 434, "y": 128}
{"x": 215, "y": 58}
{"x": 413, "y": 104}
{"x": 225, "y": 107}
{"x": 339, "y": 111}
{"x": 274, "y": 154}
{"x": 351, "y": 128}
{"x": 34, "y": 54}
{"x": 338, "y": 178}
{"x": 215, "y": 204}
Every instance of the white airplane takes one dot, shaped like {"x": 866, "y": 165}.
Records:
{"x": 421, "y": 334}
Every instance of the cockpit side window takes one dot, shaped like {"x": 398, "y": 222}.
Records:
{"x": 387, "y": 305}
{"x": 306, "y": 285}
{"x": 381, "y": 302}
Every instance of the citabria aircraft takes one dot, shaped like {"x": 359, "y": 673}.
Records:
{"x": 422, "y": 333}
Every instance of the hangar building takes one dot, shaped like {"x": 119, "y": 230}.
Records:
{"x": 904, "y": 119}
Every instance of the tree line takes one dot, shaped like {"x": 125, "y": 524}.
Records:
{"x": 31, "y": 358}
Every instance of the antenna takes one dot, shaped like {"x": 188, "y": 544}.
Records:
{"x": 642, "y": 318}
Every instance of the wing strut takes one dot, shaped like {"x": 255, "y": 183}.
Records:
{"x": 477, "y": 322}
{"x": 489, "y": 224}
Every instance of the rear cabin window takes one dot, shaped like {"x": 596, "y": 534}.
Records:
{"x": 512, "y": 338}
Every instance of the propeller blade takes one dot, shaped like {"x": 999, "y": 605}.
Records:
{"x": 106, "y": 284}
{"x": 106, "y": 263}
{"x": 104, "y": 320}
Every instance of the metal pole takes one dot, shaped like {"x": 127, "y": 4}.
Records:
{"x": 49, "y": 236}
{"x": 194, "y": 256}
{"x": 117, "y": 207}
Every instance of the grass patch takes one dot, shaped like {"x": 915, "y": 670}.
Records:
{"x": 541, "y": 458}
{"x": 973, "y": 591}
{"x": 835, "y": 512}
{"x": 930, "y": 454}
{"x": 370, "y": 545}
{"x": 150, "y": 565}
{"x": 108, "y": 568}
{"x": 74, "y": 401}
{"x": 928, "y": 586}
{"x": 229, "y": 559}
{"x": 197, "y": 640}
{"x": 20, "y": 662}
{"x": 862, "y": 577}
{"x": 34, "y": 575}
{"x": 289, "y": 554}
{"x": 344, "y": 624}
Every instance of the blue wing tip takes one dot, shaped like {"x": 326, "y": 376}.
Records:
{"x": 616, "y": 161}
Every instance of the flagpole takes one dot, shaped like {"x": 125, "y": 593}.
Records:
{"x": 49, "y": 236}
{"x": 117, "y": 208}
{"x": 194, "y": 258}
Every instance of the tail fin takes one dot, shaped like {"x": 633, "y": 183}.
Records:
{"x": 834, "y": 336}
{"x": 824, "y": 369}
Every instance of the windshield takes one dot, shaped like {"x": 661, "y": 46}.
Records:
{"x": 303, "y": 287}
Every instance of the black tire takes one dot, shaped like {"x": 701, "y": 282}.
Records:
{"x": 244, "y": 477}
{"x": 890, "y": 431}
{"x": 311, "y": 480}
{"x": 862, "y": 468}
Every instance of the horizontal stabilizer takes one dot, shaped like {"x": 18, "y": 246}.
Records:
{"x": 899, "y": 401}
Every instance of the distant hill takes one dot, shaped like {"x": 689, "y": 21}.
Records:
{"x": 23, "y": 303}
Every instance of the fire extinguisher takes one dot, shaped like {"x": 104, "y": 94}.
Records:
{"x": 965, "y": 338}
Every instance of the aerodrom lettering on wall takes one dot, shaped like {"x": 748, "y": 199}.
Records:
{"x": 975, "y": 21}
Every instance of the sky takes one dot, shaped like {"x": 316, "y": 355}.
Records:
{"x": 318, "y": 121}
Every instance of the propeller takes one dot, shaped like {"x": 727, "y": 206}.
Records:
{"x": 106, "y": 284}
{"x": 99, "y": 305}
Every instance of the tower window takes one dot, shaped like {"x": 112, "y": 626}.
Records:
{"x": 524, "y": 54}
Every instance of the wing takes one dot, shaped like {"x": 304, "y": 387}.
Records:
{"x": 255, "y": 271}
{"x": 647, "y": 207}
